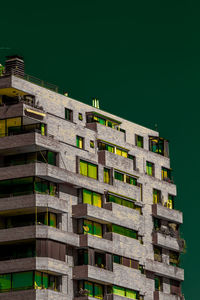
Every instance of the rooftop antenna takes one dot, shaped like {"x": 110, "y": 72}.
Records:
{"x": 95, "y": 103}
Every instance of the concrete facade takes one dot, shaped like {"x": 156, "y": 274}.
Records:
{"x": 138, "y": 269}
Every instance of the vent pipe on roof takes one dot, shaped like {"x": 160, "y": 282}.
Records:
{"x": 14, "y": 65}
{"x": 95, "y": 103}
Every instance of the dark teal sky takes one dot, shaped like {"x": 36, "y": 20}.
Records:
{"x": 141, "y": 59}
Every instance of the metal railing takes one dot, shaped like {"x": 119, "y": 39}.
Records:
{"x": 42, "y": 83}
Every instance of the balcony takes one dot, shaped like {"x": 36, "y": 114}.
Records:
{"x": 27, "y": 203}
{"x": 162, "y": 212}
{"x": 106, "y": 133}
{"x": 28, "y": 141}
{"x": 168, "y": 242}
{"x": 162, "y": 296}
{"x": 43, "y": 170}
{"x": 88, "y": 272}
{"x": 163, "y": 269}
{"x": 111, "y": 159}
{"x": 121, "y": 215}
{"x": 38, "y": 231}
{"x": 33, "y": 263}
{"x": 33, "y": 294}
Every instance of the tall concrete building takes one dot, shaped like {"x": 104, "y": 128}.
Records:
{"x": 86, "y": 200}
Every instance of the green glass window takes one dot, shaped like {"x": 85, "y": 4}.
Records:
{"x": 92, "y": 171}
{"x": 106, "y": 175}
{"x": 43, "y": 129}
{"x": 149, "y": 168}
{"x": 45, "y": 281}
{"x": 156, "y": 196}
{"x": 38, "y": 280}
{"x": 96, "y": 199}
{"x": 124, "y": 231}
{"x": 139, "y": 141}
{"x": 88, "y": 169}
{"x": 88, "y": 227}
{"x": 79, "y": 142}
{"x": 53, "y": 220}
{"x": 68, "y": 114}
{"x": 97, "y": 229}
{"x": 51, "y": 156}
{"x": 5, "y": 282}
{"x": 119, "y": 176}
{"x": 131, "y": 294}
{"x": 157, "y": 283}
{"x": 23, "y": 280}
{"x": 83, "y": 168}
{"x": 87, "y": 196}
{"x": 166, "y": 173}
{"x": 91, "y": 144}
{"x": 120, "y": 291}
{"x": 80, "y": 117}
{"x": 98, "y": 291}
{"x": 117, "y": 259}
{"x": 89, "y": 287}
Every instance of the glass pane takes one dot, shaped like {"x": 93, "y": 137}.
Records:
{"x": 42, "y": 129}
{"x": 124, "y": 154}
{"x": 87, "y": 227}
{"x": 96, "y": 199}
{"x": 53, "y": 220}
{"x": 2, "y": 128}
{"x": 89, "y": 287}
{"x": 119, "y": 176}
{"x": 22, "y": 280}
{"x": 13, "y": 122}
{"x": 45, "y": 281}
{"x": 117, "y": 290}
{"x": 51, "y": 158}
{"x": 87, "y": 196}
{"x": 38, "y": 280}
{"x": 110, "y": 148}
{"x": 106, "y": 175}
{"x": 97, "y": 229}
{"x": 131, "y": 294}
{"x": 83, "y": 168}
{"x": 98, "y": 291}
{"x": 5, "y": 282}
{"x": 118, "y": 151}
{"x": 116, "y": 259}
{"x": 52, "y": 189}
{"x": 92, "y": 171}
{"x": 102, "y": 121}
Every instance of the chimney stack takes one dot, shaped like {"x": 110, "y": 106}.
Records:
{"x": 14, "y": 65}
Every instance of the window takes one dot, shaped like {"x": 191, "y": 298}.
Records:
{"x": 158, "y": 283}
{"x": 80, "y": 142}
{"x": 100, "y": 260}
{"x": 68, "y": 114}
{"x": 159, "y": 145}
{"x": 156, "y": 196}
{"x": 124, "y": 202}
{"x": 113, "y": 149}
{"x": 124, "y": 292}
{"x": 80, "y": 117}
{"x": 91, "y": 144}
{"x": 170, "y": 202}
{"x": 107, "y": 176}
{"x": 150, "y": 168}
{"x": 88, "y": 169}
{"x": 90, "y": 227}
{"x": 166, "y": 174}
{"x": 91, "y": 289}
{"x": 94, "y": 117}
{"x": 156, "y": 223}
{"x": 122, "y": 230}
{"x": 174, "y": 258}
{"x": 27, "y": 280}
{"x": 82, "y": 257}
{"x": 139, "y": 141}
{"x": 158, "y": 254}
{"x": 125, "y": 178}
{"x": 50, "y": 219}
{"x": 92, "y": 198}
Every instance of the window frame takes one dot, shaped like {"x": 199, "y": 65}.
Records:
{"x": 68, "y": 114}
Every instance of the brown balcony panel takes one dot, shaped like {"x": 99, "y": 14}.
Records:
{"x": 33, "y": 263}
{"x": 27, "y": 142}
{"x": 93, "y": 273}
{"x": 40, "y": 231}
{"x": 160, "y": 211}
{"x": 27, "y": 203}
{"x": 32, "y": 295}
{"x": 164, "y": 269}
